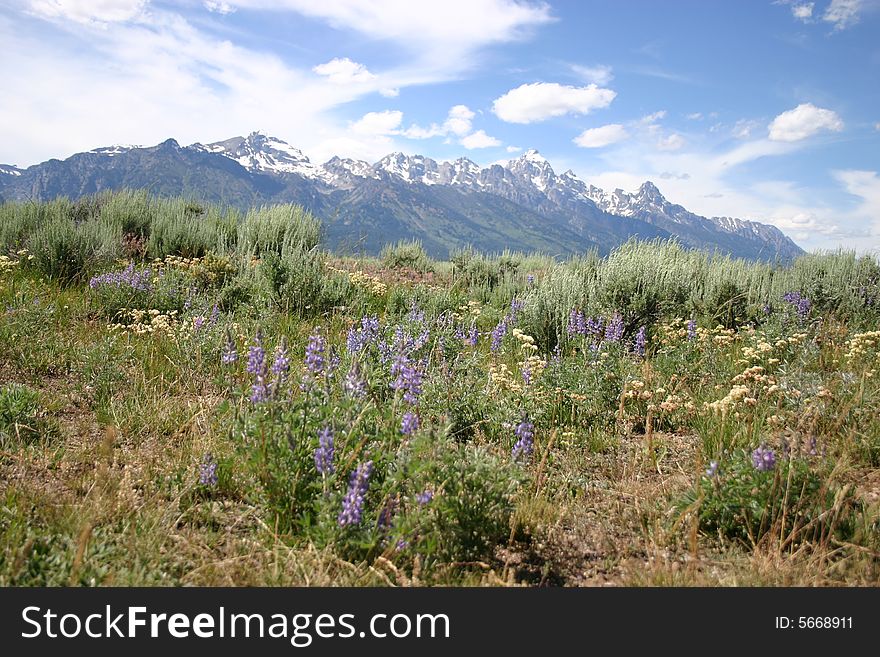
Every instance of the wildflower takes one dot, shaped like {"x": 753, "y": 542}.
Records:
{"x": 353, "y": 502}
{"x": 409, "y": 424}
{"x": 614, "y": 329}
{"x": 256, "y": 354}
{"x": 425, "y": 497}
{"x": 576, "y": 323}
{"x": 498, "y": 334}
{"x": 353, "y": 383}
{"x": 525, "y": 432}
{"x": 315, "y": 362}
{"x": 415, "y": 314}
{"x": 530, "y": 279}
{"x": 712, "y": 470}
{"x": 473, "y": 335}
{"x": 324, "y": 452}
{"x": 259, "y": 389}
{"x": 282, "y": 361}
{"x": 692, "y": 329}
{"x": 229, "y": 355}
{"x": 359, "y": 338}
{"x": 516, "y": 307}
{"x": 215, "y": 315}
{"x": 408, "y": 378}
{"x": 640, "y": 342}
{"x": 764, "y": 459}
{"x": 801, "y": 303}
{"x": 208, "y": 470}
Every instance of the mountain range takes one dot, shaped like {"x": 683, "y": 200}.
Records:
{"x": 521, "y": 205}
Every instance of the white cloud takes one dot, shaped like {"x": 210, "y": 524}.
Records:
{"x": 440, "y": 32}
{"x": 803, "y": 11}
{"x": 389, "y": 92}
{"x": 653, "y": 118}
{"x": 743, "y": 128}
{"x": 458, "y": 122}
{"x": 344, "y": 71}
{"x": 89, "y": 11}
{"x": 599, "y": 74}
{"x": 538, "y": 101}
{"x": 219, "y": 7}
{"x": 602, "y": 136}
{"x": 513, "y": 149}
{"x": 378, "y": 123}
{"x": 694, "y": 116}
{"x": 479, "y": 139}
{"x": 671, "y": 142}
{"x": 866, "y": 186}
{"x": 803, "y": 121}
{"x": 842, "y": 13}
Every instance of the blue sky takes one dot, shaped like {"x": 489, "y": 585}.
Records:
{"x": 754, "y": 108}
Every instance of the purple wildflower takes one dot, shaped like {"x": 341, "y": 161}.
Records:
{"x": 614, "y": 328}
{"x": 641, "y": 342}
{"x": 712, "y": 470}
{"x": 215, "y": 314}
{"x": 259, "y": 389}
{"x": 324, "y": 452}
{"x": 692, "y": 329}
{"x": 498, "y": 334}
{"x": 256, "y": 354}
{"x": 230, "y": 355}
{"x": 408, "y": 378}
{"x": 415, "y": 314}
{"x": 409, "y": 424}
{"x": 353, "y": 502}
{"x": 525, "y": 432}
{"x": 473, "y": 335}
{"x": 353, "y": 383}
{"x": 198, "y": 323}
{"x": 764, "y": 459}
{"x": 530, "y": 279}
{"x": 315, "y": 362}
{"x": 516, "y": 307}
{"x": 801, "y": 303}
{"x": 281, "y": 365}
{"x": 136, "y": 280}
{"x": 208, "y": 470}
{"x": 576, "y": 322}
{"x": 425, "y": 497}
{"x": 362, "y": 336}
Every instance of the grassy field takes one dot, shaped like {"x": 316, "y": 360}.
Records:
{"x": 189, "y": 396}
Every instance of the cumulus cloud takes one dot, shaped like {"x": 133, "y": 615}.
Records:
{"x": 671, "y": 142}
{"x": 653, "y": 118}
{"x": 89, "y": 11}
{"x": 843, "y": 13}
{"x": 344, "y": 71}
{"x": 804, "y": 121}
{"x": 599, "y": 74}
{"x": 378, "y": 123}
{"x": 601, "y": 136}
{"x": 389, "y": 92}
{"x": 479, "y": 139}
{"x": 539, "y": 101}
{"x": 458, "y": 123}
{"x": 219, "y": 7}
{"x": 694, "y": 116}
{"x": 513, "y": 149}
{"x": 803, "y": 11}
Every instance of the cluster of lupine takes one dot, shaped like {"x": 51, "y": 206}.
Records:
{"x": 764, "y": 458}
{"x": 409, "y": 424}
{"x": 407, "y": 375}
{"x": 469, "y": 336}
{"x": 500, "y": 330}
{"x": 359, "y": 337}
{"x": 802, "y": 304}
{"x": 598, "y": 330}
{"x": 229, "y": 355}
{"x": 137, "y": 280}
{"x": 692, "y": 329}
{"x": 641, "y": 341}
{"x": 353, "y": 502}
{"x": 257, "y": 367}
{"x": 525, "y": 433}
{"x": 354, "y": 383}
{"x": 324, "y": 452}
{"x": 208, "y": 470}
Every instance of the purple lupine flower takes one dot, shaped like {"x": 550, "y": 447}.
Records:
{"x": 208, "y": 470}
{"x": 516, "y": 307}
{"x": 801, "y": 303}
{"x": 692, "y": 329}
{"x": 527, "y": 375}
{"x": 259, "y": 389}
{"x": 530, "y": 279}
{"x": 408, "y": 378}
{"x": 256, "y": 354}
{"x": 641, "y": 342}
{"x": 614, "y": 328}
{"x": 767, "y": 309}
{"x": 409, "y": 424}
{"x": 353, "y": 502}
{"x": 458, "y": 334}
{"x": 415, "y": 314}
{"x": 315, "y": 362}
{"x": 498, "y": 334}
{"x": 425, "y": 497}
{"x": 281, "y": 364}
{"x": 215, "y": 315}
{"x": 525, "y": 432}
{"x": 353, "y": 384}
{"x": 229, "y": 355}
{"x": 198, "y": 323}
{"x": 764, "y": 459}
{"x": 386, "y": 515}
{"x": 594, "y": 327}
{"x": 324, "y": 452}
{"x": 712, "y": 470}
{"x": 362, "y": 336}
{"x": 576, "y": 322}
{"x": 137, "y": 280}
{"x": 473, "y": 335}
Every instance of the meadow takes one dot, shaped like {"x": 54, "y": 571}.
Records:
{"x": 190, "y": 395}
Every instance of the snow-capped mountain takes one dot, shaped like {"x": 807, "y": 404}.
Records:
{"x": 521, "y": 204}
